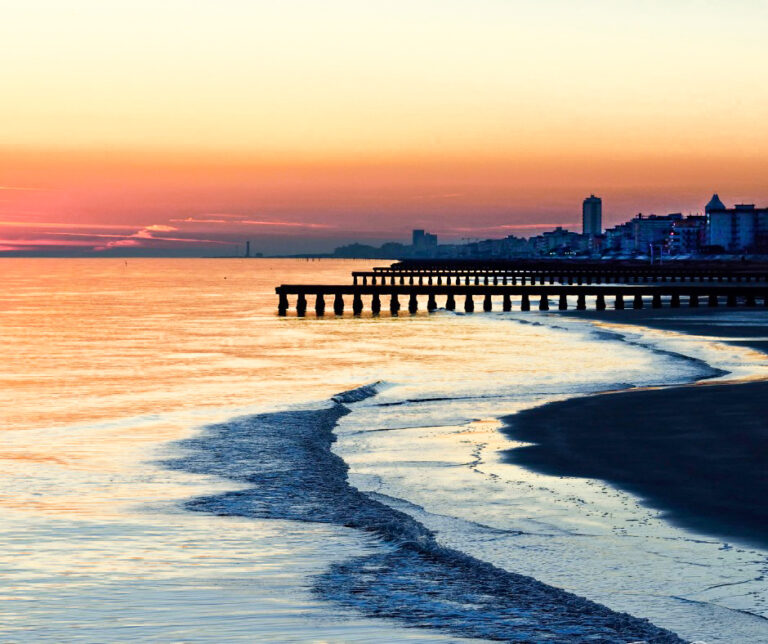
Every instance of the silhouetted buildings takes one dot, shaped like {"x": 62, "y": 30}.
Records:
{"x": 423, "y": 240}
{"x": 688, "y": 236}
{"x": 743, "y": 228}
{"x": 592, "y": 216}
{"x": 560, "y": 242}
{"x": 672, "y": 233}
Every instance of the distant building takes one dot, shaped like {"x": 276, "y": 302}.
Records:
{"x": 620, "y": 239}
{"x": 688, "y": 236}
{"x": 652, "y": 230}
{"x": 424, "y": 244}
{"x": 247, "y": 249}
{"x": 422, "y": 239}
{"x": 640, "y": 233}
{"x": 560, "y": 242}
{"x": 743, "y": 228}
{"x": 592, "y": 216}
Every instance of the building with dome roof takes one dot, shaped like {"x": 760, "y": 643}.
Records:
{"x": 743, "y": 228}
{"x": 714, "y": 204}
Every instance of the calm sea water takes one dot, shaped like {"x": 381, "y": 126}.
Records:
{"x": 169, "y": 470}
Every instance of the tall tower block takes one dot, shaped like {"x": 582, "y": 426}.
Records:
{"x": 592, "y": 216}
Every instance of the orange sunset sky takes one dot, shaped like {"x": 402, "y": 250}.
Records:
{"x": 188, "y": 126}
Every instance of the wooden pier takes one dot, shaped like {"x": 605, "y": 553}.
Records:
{"x": 525, "y": 285}
{"x": 523, "y": 297}
{"x": 502, "y": 273}
{"x": 523, "y": 277}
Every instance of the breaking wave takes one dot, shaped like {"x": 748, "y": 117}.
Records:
{"x": 288, "y": 471}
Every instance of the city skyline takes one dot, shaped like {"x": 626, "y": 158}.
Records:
{"x": 231, "y": 244}
{"x": 182, "y": 129}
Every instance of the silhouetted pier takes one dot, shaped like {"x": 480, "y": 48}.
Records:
{"x": 485, "y": 274}
{"x": 524, "y": 298}
{"x": 524, "y": 285}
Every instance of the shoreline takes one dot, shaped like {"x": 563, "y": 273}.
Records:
{"x": 696, "y": 452}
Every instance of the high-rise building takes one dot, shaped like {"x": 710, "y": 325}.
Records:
{"x": 592, "y": 216}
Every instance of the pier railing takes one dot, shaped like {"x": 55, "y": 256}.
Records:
{"x": 541, "y": 276}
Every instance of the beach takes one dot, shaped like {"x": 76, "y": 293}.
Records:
{"x": 696, "y": 452}
{"x": 218, "y": 482}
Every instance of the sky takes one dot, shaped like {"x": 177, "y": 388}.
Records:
{"x": 188, "y": 126}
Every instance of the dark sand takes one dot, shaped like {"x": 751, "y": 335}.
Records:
{"x": 698, "y": 453}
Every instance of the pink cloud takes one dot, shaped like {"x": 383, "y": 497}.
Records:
{"x": 147, "y": 235}
{"x": 147, "y": 231}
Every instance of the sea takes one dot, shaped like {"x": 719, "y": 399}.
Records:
{"x": 179, "y": 463}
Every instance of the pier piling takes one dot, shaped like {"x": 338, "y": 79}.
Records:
{"x": 301, "y": 305}
{"x": 600, "y": 303}
{"x": 413, "y": 304}
{"x": 357, "y": 304}
{"x": 394, "y": 304}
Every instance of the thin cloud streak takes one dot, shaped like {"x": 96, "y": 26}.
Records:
{"x": 287, "y": 224}
{"x": 193, "y": 220}
{"x": 236, "y": 220}
{"x": 53, "y": 224}
{"x": 475, "y": 229}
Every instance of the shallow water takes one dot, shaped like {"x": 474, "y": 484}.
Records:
{"x": 114, "y": 362}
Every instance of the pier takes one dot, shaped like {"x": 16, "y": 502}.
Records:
{"x": 373, "y": 297}
{"x": 525, "y": 285}
{"x": 522, "y": 273}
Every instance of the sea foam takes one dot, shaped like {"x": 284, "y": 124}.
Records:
{"x": 285, "y": 461}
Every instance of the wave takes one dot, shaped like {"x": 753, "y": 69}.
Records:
{"x": 706, "y": 370}
{"x": 289, "y": 471}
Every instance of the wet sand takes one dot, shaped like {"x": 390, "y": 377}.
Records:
{"x": 698, "y": 453}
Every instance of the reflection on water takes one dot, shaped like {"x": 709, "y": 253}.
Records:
{"x": 109, "y": 361}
